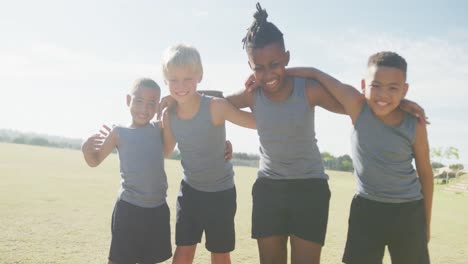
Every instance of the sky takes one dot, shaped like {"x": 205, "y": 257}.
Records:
{"x": 66, "y": 66}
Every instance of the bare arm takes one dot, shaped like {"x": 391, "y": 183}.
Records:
{"x": 222, "y": 110}
{"x": 424, "y": 169}
{"x": 349, "y": 97}
{"x": 319, "y": 96}
{"x": 241, "y": 99}
{"x": 169, "y": 140}
{"x": 97, "y": 147}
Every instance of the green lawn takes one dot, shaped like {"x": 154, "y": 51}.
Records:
{"x": 54, "y": 209}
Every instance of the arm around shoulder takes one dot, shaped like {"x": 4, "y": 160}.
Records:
{"x": 241, "y": 99}
{"x": 347, "y": 96}
{"x": 169, "y": 140}
{"x": 222, "y": 110}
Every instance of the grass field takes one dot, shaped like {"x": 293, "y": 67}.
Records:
{"x": 54, "y": 209}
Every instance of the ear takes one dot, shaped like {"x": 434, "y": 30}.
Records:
{"x": 129, "y": 99}
{"x": 363, "y": 86}
{"x": 287, "y": 58}
{"x": 250, "y": 65}
{"x": 405, "y": 89}
{"x": 201, "y": 78}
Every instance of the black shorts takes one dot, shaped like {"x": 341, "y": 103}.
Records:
{"x": 374, "y": 225}
{"x": 291, "y": 207}
{"x": 140, "y": 234}
{"x": 212, "y": 212}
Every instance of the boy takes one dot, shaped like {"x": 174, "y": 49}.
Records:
{"x": 207, "y": 197}
{"x": 291, "y": 194}
{"x": 393, "y": 202}
{"x": 140, "y": 221}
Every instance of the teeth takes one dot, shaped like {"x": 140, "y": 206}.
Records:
{"x": 271, "y": 83}
{"x": 382, "y": 103}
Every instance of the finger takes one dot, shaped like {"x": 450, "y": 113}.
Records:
{"x": 162, "y": 105}
{"x": 103, "y": 134}
{"x": 228, "y": 146}
{"x": 107, "y": 128}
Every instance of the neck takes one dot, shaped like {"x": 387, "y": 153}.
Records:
{"x": 394, "y": 118}
{"x": 189, "y": 108}
{"x": 283, "y": 92}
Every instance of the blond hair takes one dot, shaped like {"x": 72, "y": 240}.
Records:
{"x": 184, "y": 56}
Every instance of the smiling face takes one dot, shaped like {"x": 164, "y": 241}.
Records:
{"x": 182, "y": 82}
{"x": 384, "y": 88}
{"x": 143, "y": 104}
{"x": 268, "y": 64}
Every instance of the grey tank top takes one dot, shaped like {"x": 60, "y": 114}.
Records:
{"x": 288, "y": 147}
{"x": 382, "y": 159}
{"x": 144, "y": 181}
{"x": 201, "y": 146}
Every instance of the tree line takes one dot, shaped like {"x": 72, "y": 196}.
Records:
{"x": 341, "y": 163}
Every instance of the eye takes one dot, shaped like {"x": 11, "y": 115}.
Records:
{"x": 275, "y": 65}
{"x": 258, "y": 69}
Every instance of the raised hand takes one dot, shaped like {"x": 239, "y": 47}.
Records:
{"x": 105, "y": 130}
{"x": 93, "y": 144}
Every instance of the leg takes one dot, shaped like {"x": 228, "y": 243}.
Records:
{"x": 156, "y": 245}
{"x": 408, "y": 243}
{"x": 220, "y": 258}
{"x": 126, "y": 231}
{"x": 218, "y": 221}
{"x": 367, "y": 228}
{"x": 304, "y": 252}
{"x": 188, "y": 231}
{"x": 184, "y": 254}
{"x": 270, "y": 220}
{"x": 309, "y": 203}
{"x": 273, "y": 249}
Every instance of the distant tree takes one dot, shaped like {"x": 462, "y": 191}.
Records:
{"x": 20, "y": 140}
{"x": 457, "y": 168}
{"x": 436, "y": 165}
{"x": 446, "y": 153}
{"x": 328, "y": 160}
{"x": 345, "y": 163}
{"x": 39, "y": 141}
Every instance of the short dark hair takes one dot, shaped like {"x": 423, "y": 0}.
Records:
{"x": 262, "y": 32}
{"x": 388, "y": 59}
{"x": 144, "y": 82}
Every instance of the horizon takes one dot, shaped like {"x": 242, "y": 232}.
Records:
{"x": 65, "y": 67}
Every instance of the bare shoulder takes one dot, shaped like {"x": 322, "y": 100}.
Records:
{"x": 219, "y": 103}
{"x": 420, "y": 132}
